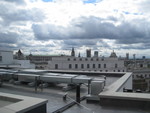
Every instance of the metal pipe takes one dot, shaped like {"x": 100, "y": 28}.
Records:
{"x": 78, "y": 93}
{"x": 35, "y": 84}
{"x": 89, "y": 82}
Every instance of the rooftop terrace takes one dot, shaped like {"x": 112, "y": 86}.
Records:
{"x": 113, "y": 90}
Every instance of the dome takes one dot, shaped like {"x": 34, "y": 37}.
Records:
{"x": 113, "y": 55}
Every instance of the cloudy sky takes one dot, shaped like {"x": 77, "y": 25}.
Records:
{"x": 55, "y": 26}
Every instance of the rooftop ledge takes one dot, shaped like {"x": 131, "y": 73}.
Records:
{"x": 114, "y": 95}
{"x": 20, "y": 104}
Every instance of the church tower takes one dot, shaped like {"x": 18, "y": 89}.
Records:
{"x": 73, "y": 52}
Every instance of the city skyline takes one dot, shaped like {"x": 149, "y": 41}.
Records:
{"x": 55, "y": 26}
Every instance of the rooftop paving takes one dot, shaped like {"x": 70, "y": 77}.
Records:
{"x": 54, "y": 95}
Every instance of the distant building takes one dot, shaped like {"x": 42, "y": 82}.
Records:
{"x": 19, "y": 55}
{"x": 127, "y": 56}
{"x": 40, "y": 61}
{"x": 6, "y": 57}
{"x": 137, "y": 64}
{"x": 113, "y": 55}
{"x": 141, "y": 80}
{"x": 95, "y": 53}
{"x": 88, "y": 53}
{"x": 102, "y": 64}
{"x": 7, "y": 61}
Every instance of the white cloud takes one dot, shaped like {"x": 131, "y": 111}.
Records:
{"x": 119, "y": 24}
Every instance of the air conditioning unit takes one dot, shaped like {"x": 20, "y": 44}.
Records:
{"x": 97, "y": 87}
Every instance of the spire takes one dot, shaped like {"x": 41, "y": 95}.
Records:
{"x": 19, "y": 52}
{"x": 20, "y": 55}
{"x": 73, "y": 52}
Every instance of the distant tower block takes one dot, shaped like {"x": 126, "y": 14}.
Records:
{"x": 73, "y": 52}
{"x": 134, "y": 56}
{"x": 88, "y": 53}
{"x": 79, "y": 55}
{"x": 127, "y": 56}
{"x": 95, "y": 53}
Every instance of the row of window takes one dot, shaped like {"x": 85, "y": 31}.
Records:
{"x": 85, "y": 66}
{"x": 86, "y": 59}
{"x": 56, "y": 67}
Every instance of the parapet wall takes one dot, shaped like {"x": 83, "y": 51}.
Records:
{"x": 114, "y": 95}
{"x": 22, "y": 104}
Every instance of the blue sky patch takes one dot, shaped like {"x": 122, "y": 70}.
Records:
{"x": 89, "y": 1}
{"x": 127, "y": 13}
{"x": 47, "y": 0}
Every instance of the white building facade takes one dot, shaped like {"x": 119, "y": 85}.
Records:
{"x": 7, "y": 61}
{"x": 102, "y": 64}
{"x": 6, "y": 57}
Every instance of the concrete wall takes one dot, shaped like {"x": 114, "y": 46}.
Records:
{"x": 126, "y": 85}
{"x": 24, "y": 64}
{"x": 24, "y": 105}
{"x": 114, "y": 95}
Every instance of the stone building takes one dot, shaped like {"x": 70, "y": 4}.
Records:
{"x": 102, "y": 64}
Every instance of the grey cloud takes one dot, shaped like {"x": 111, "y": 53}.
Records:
{"x": 10, "y": 14}
{"x": 34, "y": 15}
{"x": 48, "y": 31}
{"x": 143, "y": 47}
{"x": 4, "y": 45}
{"x": 9, "y": 38}
{"x": 78, "y": 42}
{"x": 144, "y": 6}
{"x": 18, "y": 2}
{"x": 94, "y": 28}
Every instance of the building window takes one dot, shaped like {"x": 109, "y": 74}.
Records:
{"x": 0, "y": 58}
{"x": 74, "y": 59}
{"x": 99, "y": 65}
{"x": 106, "y": 70}
{"x": 114, "y": 70}
{"x": 118, "y": 70}
{"x": 91, "y": 59}
{"x": 80, "y": 59}
{"x": 116, "y": 66}
{"x": 93, "y": 65}
{"x": 88, "y": 65}
{"x": 97, "y": 59}
{"x": 76, "y": 66}
{"x": 82, "y": 66}
{"x": 133, "y": 76}
{"x": 86, "y": 59}
{"x": 104, "y": 65}
{"x": 56, "y": 66}
{"x": 141, "y": 65}
{"x": 68, "y": 59}
{"x": 70, "y": 66}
